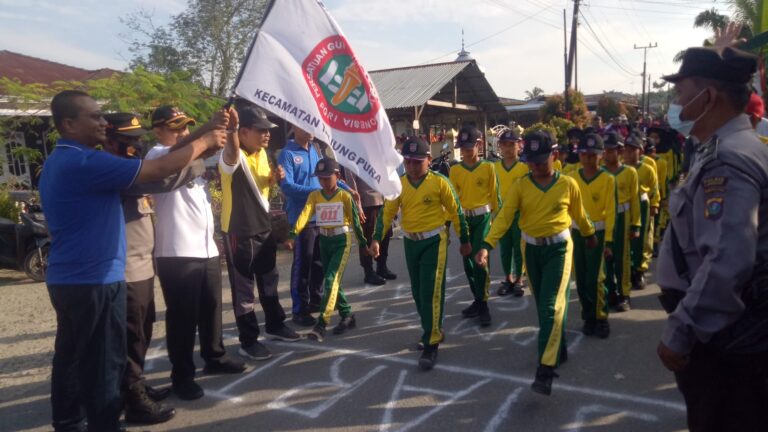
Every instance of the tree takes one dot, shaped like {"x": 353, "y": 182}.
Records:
{"x": 533, "y": 93}
{"x": 208, "y": 40}
{"x": 745, "y": 12}
{"x": 554, "y": 106}
{"x": 609, "y": 108}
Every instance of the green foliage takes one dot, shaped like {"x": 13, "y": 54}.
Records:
{"x": 8, "y": 207}
{"x": 609, "y": 108}
{"x": 557, "y": 127}
{"x": 554, "y": 106}
{"x": 547, "y": 127}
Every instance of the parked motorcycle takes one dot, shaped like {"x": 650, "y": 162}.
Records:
{"x": 24, "y": 246}
{"x": 442, "y": 163}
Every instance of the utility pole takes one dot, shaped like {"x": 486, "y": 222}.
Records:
{"x": 648, "y": 101}
{"x": 572, "y": 51}
{"x": 645, "y": 55}
{"x": 565, "y": 63}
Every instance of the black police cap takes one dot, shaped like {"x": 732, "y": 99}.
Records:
{"x": 591, "y": 143}
{"x": 727, "y": 64}
{"x": 612, "y": 140}
{"x": 122, "y": 123}
{"x": 415, "y": 148}
{"x": 326, "y": 167}
{"x": 537, "y": 146}
{"x": 468, "y": 137}
{"x": 510, "y": 135}
{"x": 251, "y": 116}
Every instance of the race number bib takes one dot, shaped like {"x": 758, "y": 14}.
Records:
{"x": 329, "y": 214}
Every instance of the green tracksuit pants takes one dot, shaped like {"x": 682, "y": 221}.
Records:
{"x": 642, "y": 247}
{"x": 334, "y": 254}
{"x": 618, "y": 269}
{"x": 427, "y": 260}
{"x": 510, "y": 250}
{"x": 588, "y": 264}
{"x": 477, "y": 275}
{"x": 549, "y": 271}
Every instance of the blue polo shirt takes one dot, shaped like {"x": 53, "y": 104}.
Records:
{"x": 299, "y": 165}
{"x": 80, "y": 192}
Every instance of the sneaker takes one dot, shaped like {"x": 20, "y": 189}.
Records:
{"x": 346, "y": 323}
{"x": 428, "y": 357}
{"x": 188, "y": 390}
{"x": 157, "y": 394}
{"x": 588, "y": 328}
{"x": 472, "y": 311}
{"x": 256, "y": 351}
{"x": 224, "y": 365}
{"x": 304, "y": 320}
{"x": 285, "y": 334}
{"x": 485, "y": 315}
{"x": 384, "y": 272}
{"x": 623, "y": 304}
{"x": 141, "y": 409}
{"x": 504, "y": 289}
{"x": 602, "y": 329}
{"x": 374, "y": 279}
{"x": 317, "y": 333}
{"x": 543, "y": 382}
{"x": 638, "y": 280}
{"x": 517, "y": 289}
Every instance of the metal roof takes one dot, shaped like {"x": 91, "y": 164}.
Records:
{"x": 413, "y": 86}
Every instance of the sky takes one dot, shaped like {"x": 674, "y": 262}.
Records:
{"x": 518, "y": 43}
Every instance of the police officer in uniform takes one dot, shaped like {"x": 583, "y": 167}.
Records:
{"x": 713, "y": 264}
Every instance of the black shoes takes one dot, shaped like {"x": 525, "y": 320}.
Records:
{"x": 157, "y": 394}
{"x": 188, "y": 390}
{"x": 317, "y": 333}
{"x": 304, "y": 320}
{"x": 224, "y": 365}
{"x": 428, "y": 357}
{"x": 505, "y": 288}
{"x": 385, "y": 273}
{"x": 346, "y": 323}
{"x": 517, "y": 289}
{"x": 638, "y": 280}
{"x": 420, "y": 344}
{"x": 589, "y": 328}
{"x": 602, "y": 329}
{"x": 141, "y": 409}
{"x": 284, "y": 333}
{"x": 372, "y": 278}
{"x": 622, "y": 304}
{"x": 472, "y": 311}
{"x": 485, "y": 315}
{"x": 255, "y": 351}
{"x": 543, "y": 382}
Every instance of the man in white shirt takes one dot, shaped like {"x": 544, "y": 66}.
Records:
{"x": 188, "y": 267}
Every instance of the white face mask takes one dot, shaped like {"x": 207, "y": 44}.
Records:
{"x": 675, "y": 122}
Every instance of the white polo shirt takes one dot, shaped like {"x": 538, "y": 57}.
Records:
{"x": 184, "y": 220}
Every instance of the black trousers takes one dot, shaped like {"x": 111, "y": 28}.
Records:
{"x": 725, "y": 393}
{"x": 372, "y": 214}
{"x": 89, "y": 356}
{"x": 140, "y": 317}
{"x": 254, "y": 258}
{"x": 306, "y": 271}
{"x": 192, "y": 291}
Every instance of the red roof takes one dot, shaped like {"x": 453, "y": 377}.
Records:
{"x": 30, "y": 70}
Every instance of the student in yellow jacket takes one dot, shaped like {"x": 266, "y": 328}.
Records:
{"x": 336, "y": 216}
{"x": 508, "y": 170}
{"x": 598, "y": 189}
{"x": 475, "y": 183}
{"x": 426, "y": 198}
{"x": 548, "y": 202}
{"x": 659, "y": 222}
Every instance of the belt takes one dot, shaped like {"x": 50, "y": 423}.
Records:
{"x": 545, "y": 241}
{"x": 599, "y": 225}
{"x": 330, "y": 232}
{"x": 478, "y": 211}
{"x": 423, "y": 235}
{"x": 644, "y": 197}
{"x": 622, "y": 208}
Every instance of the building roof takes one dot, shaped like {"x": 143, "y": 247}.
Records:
{"x": 414, "y": 86}
{"x": 31, "y": 70}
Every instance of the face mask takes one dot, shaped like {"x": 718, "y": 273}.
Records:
{"x": 682, "y": 126}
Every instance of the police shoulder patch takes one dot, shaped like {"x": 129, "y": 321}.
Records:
{"x": 713, "y": 208}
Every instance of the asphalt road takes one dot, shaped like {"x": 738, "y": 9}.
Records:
{"x": 368, "y": 380}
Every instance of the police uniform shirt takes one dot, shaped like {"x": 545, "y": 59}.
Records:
{"x": 424, "y": 206}
{"x": 599, "y": 198}
{"x": 335, "y": 211}
{"x": 507, "y": 176}
{"x": 544, "y": 211}
{"x": 241, "y": 210}
{"x": 627, "y": 192}
{"x": 716, "y": 214}
{"x": 476, "y": 185}
{"x": 648, "y": 186}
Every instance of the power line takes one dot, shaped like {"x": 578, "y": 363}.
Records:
{"x": 605, "y": 38}
{"x": 602, "y": 59}
{"x": 599, "y": 42}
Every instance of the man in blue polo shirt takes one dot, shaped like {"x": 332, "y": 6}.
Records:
{"x": 80, "y": 190}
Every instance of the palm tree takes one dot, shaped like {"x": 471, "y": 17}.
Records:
{"x": 745, "y": 12}
{"x": 533, "y": 94}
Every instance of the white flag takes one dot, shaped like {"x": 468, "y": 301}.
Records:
{"x": 302, "y": 68}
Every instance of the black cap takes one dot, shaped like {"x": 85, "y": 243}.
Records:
{"x": 126, "y": 124}
{"x": 326, "y": 167}
{"x": 667, "y": 141}
{"x": 510, "y": 135}
{"x": 171, "y": 117}
{"x": 537, "y": 146}
{"x": 634, "y": 140}
{"x": 468, "y": 137}
{"x": 574, "y": 133}
{"x": 591, "y": 143}
{"x": 252, "y": 116}
{"x": 727, "y": 64}
{"x": 415, "y": 148}
{"x": 612, "y": 140}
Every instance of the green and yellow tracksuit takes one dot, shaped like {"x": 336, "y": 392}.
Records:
{"x": 477, "y": 189}
{"x": 627, "y": 220}
{"x": 570, "y": 168}
{"x": 509, "y": 245}
{"x": 661, "y": 218}
{"x": 546, "y": 213}
{"x": 424, "y": 206}
{"x": 599, "y": 200}
{"x": 648, "y": 189}
{"x": 334, "y": 216}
